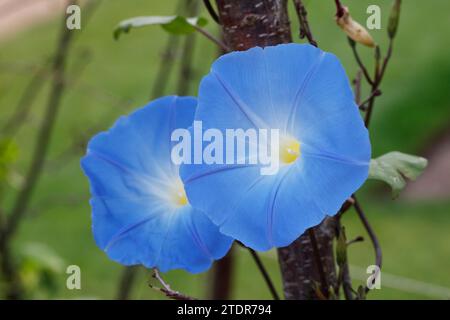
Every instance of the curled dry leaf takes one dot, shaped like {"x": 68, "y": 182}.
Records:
{"x": 353, "y": 29}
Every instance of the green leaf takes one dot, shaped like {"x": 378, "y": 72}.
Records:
{"x": 395, "y": 167}
{"x": 40, "y": 269}
{"x": 172, "y": 24}
{"x": 43, "y": 257}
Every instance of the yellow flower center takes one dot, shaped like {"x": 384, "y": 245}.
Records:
{"x": 179, "y": 197}
{"x": 289, "y": 150}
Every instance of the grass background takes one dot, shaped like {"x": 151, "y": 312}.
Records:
{"x": 414, "y": 108}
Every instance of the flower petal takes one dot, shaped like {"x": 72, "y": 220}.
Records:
{"x": 130, "y": 171}
{"x": 326, "y": 118}
{"x": 136, "y": 232}
{"x": 236, "y": 200}
{"x": 304, "y": 92}
{"x": 261, "y": 98}
{"x": 331, "y": 181}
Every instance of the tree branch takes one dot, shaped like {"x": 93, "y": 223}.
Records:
{"x": 305, "y": 30}
{"x": 380, "y": 72}
{"x": 373, "y": 94}
{"x": 357, "y": 85}
{"x": 211, "y": 11}
{"x": 126, "y": 282}
{"x": 209, "y": 36}
{"x": 265, "y": 274}
{"x": 172, "y": 294}
{"x": 262, "y": 269}
{"x": 339, "y": 8}
{"x": 359, "y": 61}
{"x": 372, "y": 235}
{"x": 387, "y": 58}
{"x": 344, "y": 272}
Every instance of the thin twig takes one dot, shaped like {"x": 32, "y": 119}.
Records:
{"x": 212, "y": 38}
{"x": 372, "y": 235}
{"x": 347, "y": 282}
{"x": 359, "y": 61}
{"x": 344, "y": 278}
{"x": 379, "y": 74}
{"x": 377, "y": 64}
{"x": 305, "y": 30}
{"x": 126, "y": 282}
{"x": 172, "y": 294}
{"x": 345, "y": 207}
{"x": 211, "y": 11}
{"x": 373, "y": 94}
{"x": 355, "y": 240}
{"x": 369, "y": 109}
{"x": 357, "y": 85}
{"x": 262, "y": 269}
{"x": 339, "y": 8}
{"x": 387, "y": 58}
{"x": 374, "y": 88}
{"x": 265, "y": 274}
{"x": 318, "y": 260}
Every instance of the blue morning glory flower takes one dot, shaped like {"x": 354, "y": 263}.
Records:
{"x": 140, "y": 211}
{"x": 323, "y": 148}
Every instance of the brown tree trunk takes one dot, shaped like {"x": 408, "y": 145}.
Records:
{"x": 299, "y": 267}
{"x": 262, "y": 23}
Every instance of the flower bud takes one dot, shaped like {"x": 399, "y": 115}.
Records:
{"x": 394, "y": 18}
{"x": 353, "y": 29}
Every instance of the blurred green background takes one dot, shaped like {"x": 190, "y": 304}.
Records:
{"x": 412, "y": 115}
